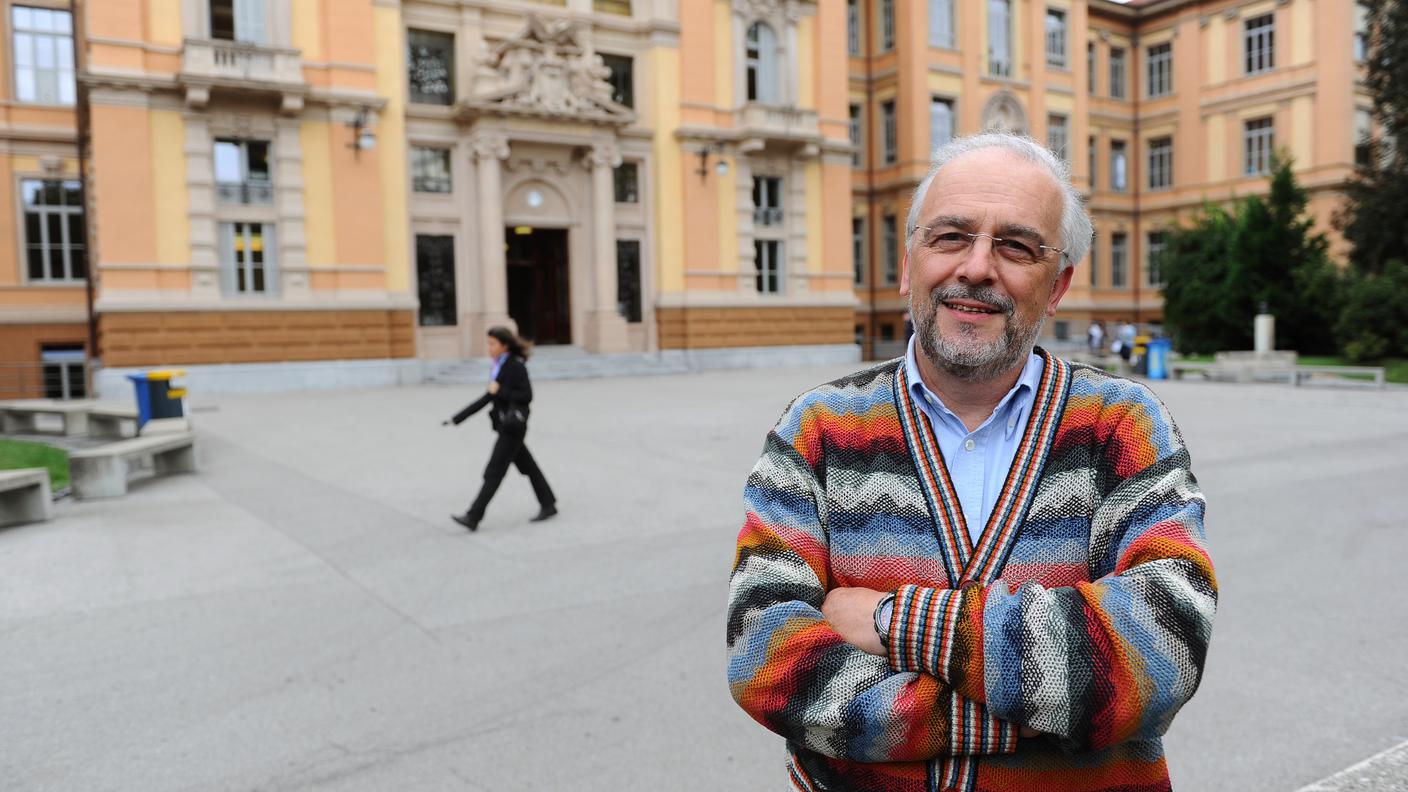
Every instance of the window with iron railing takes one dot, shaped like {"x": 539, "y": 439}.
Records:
{"x": 242, "y": 174}
{"x": 622, "y": 78}
{"x": 767, "y": 201}
{"x": 435, "y": 280}
{"x": 431, "y": 66}
{"x": 65, "y": 371}
{"x": 626, "y": 183}
{"x": 430, "y": 170}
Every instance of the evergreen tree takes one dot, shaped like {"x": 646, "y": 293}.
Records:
{"x": 1375, "y": 217}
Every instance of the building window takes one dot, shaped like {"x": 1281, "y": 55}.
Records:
{"x": 1153, "y": 249}
{"x": 887, "y": 25}
{"x": 1056, "y": 38}
{"x": 1061, "y": 328}
{"x": 53, "y": 230}
{"x": 1160, "y": 63}
{"x": 430, "y": 170}
{"x": 940, "y": 122}
{"x": 1160, "y": 163}
{"x": 435, "y": 280}
{"x": 1119, "y": 260}
{"x": 853, "y": 27}
{"x": 628, "y": 279}
{"x": 1094, "y": 151}
{"x": 768, "y": 255}
{"x": 43, "y": 55}
{"x": 622, "y": 78}
{"x": 887, "y": 331}
{"x": 619, "y": 7}
{"x": 1361, "y": 32}
{"x": 239, "y": 20}
{"x": 1090, "y": 67}
{"x": 1116, "y": 73}
{"x": 856, "y": 150}
{"x": 760, "y": 55}
{"x": 1118, "y": 164}
{"x": 1058, "y": 135}
{"x": 242, "y": 171}
{"x": 1363, "y": 137}
{"x": 892, "y": 250}
{"x": 1000, "y": 38}
{"x": 65, "y": 371}
{"x": 1094, "y": 263}
{"x": 941, "y": 23}
{"x": 1258, "y": 136}
{"x": 891, "y": 129}
{"x": 858, "y": 249}
{"x": 1259, "y": 40}
{"x": 246, "y": 252}
{"x": 627, "y": 181}
{"x": 431, "y": 67}
{"x": 767, "y": 201}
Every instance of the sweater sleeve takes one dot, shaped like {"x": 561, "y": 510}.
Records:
{"x": 795, "y": 675}
{"x": 1100, "y": 663}
{"x": 472, "y": 408}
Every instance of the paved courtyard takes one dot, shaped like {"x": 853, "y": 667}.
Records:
{"x": 302, "y": 614}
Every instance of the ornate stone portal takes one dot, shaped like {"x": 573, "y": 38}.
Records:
{"x": 1004, "y": 113}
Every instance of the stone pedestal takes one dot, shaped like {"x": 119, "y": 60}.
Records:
{"x": 1264, "y": 333}
{"x": 605, "y": 333}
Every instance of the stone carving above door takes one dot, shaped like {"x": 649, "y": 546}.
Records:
{"x": 1004, "y": 113}
{"x": 544, "y": 72}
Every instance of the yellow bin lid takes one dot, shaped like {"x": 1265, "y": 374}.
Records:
{"x": 165, "y": 374}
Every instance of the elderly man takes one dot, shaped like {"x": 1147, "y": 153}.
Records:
{"x": 978, "y": 567}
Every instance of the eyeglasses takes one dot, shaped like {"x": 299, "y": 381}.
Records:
{"x": 947, "y": 242}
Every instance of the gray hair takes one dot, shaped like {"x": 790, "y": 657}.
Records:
{"x": 1076, "y": 226}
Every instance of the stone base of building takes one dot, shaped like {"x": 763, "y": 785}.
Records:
{"x": 755, "y": 326}
{"x": 112, "y": 383}
{"x": 214, "y": 337}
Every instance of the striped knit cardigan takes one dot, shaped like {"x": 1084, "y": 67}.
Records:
{"x": 1084, "y": 612}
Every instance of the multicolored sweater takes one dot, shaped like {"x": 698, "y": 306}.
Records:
{"x": 1084, "y": 612}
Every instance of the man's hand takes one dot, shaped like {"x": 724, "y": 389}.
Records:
{"x": 851, "y": 613}
{"x": 493, "y": 388}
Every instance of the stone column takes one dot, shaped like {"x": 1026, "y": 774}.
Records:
{"x": 490, "y": 150}
{"x": 606, "y": 328}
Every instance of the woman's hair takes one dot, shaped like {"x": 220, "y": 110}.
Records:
{"x": 516, "y": 346}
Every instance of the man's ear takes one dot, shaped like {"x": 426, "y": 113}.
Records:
{"x": 904, "y": 274}
{"x": 1058, "y": 289}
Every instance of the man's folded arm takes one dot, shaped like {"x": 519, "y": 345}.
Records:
{"x": 797, "y": 676}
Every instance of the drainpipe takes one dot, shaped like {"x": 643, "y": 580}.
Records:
{"x": 80, "y": 41}
{"x": 1138, "y": 237}
{"x": 867, "y": 146}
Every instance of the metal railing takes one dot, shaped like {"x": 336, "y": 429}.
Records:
{"x": 767, "y": 215}
{"x": 68, "y": 380}
{"x": 247, "y": 192}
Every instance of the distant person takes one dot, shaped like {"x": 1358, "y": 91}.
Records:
{"x": 979, "y": 567}
{"x": 1096, "y": 337}
{"x": 509, "y": 393}
{"x": 1127, "y": 333}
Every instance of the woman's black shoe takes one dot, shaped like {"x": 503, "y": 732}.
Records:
{"x": 543, "y": 514}
{"x": 465, "y": 520}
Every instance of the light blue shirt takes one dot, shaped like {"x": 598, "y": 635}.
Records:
{"x": 978, "y": 461}
{"x": 498, "y": 364}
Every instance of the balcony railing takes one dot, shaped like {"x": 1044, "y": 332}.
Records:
{"x": 778, "y": 123}
{"x": 236, "y": 65}
{"x": 248, "y": 192}
{"x": 767, "y": 215}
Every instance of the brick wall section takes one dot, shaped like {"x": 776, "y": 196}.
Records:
{"x": 714, "y": 328}
{"x": 213, "y": 337}
{"x": 20, "y": 369}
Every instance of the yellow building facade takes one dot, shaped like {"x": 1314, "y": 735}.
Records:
{"x": 1158, "y": 107}
{"x": 290, "y": 192}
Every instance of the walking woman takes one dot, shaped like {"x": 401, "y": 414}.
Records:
{"x": 509, "y": 393}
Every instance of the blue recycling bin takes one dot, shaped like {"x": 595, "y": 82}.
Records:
{"x": 156, "y": 395}
{"x": 1159, "y": 349}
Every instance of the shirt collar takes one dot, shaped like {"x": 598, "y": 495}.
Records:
{"x": 1013, "y": 407}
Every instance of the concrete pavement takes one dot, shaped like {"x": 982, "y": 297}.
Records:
{"x": 302, "y": 615}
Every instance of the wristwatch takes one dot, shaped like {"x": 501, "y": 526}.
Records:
{"x": 883, "y": 611}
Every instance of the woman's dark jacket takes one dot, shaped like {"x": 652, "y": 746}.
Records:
{"x": 514, "y": 391}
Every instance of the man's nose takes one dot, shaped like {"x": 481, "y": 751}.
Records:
{"x": 978, "y": 263}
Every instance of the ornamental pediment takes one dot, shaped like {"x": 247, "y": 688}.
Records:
{"x": 543, "y": 72}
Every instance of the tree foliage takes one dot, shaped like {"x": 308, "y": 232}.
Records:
{"x": 1229, "y": 265}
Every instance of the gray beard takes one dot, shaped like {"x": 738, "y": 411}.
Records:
{"x": 964, "y": 357}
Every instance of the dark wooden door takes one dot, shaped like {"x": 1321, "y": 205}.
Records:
{"x": 538, "y": 292}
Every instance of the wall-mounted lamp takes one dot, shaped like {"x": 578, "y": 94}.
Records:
{"x": 720, "y": 167}
{"x": 363, "y": 138}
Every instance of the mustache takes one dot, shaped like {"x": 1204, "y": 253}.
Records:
{"x": 982, "y": 294}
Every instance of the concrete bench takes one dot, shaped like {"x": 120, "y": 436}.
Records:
{"x": 1177, "y": 368}
{"x": 17, "y": 417}
{"x": 1375, "y": 373}
{"x": 25, "y": 496}
{"x": 104, "y": 471}
{"x": 112, "y": 421}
